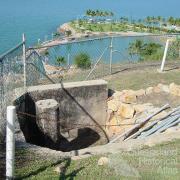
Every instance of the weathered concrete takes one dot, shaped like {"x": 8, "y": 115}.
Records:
{"x": 82, "y": 111}
{"x": 47, "y": 114}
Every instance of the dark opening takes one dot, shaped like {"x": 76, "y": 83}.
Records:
{"x": 85, "y": 136}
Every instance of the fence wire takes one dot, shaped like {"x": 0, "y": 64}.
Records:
{"x": 108, "y": 55}
{"x": 11, "y": 77}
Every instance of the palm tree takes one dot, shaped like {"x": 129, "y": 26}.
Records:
{"x": 61, "y": 60}
{"x": 135, "y": 47}
{"x": 88, "y": 12}
{"x": 111, "y": 14}
{"x": 171, "y": 20}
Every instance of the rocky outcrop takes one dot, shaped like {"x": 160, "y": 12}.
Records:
{"x": 128, "y": 96}
{"x": 174, "y": 89}
{"x": 124, "y": 110}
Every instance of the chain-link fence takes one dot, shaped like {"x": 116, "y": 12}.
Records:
{"x": 107, "y": 55}
{"x": 83, "y": 60}
{"x": 12, "y": 76}
{"x": 19, "y": 68}
{"x": 103, "y": 56}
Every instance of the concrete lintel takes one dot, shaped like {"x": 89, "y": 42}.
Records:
{"x": 67, "y": 85}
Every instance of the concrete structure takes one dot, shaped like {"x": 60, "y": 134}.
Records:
{"x": 81, "y": 112}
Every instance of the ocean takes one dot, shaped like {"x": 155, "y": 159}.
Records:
{"x": 38, "y": 19}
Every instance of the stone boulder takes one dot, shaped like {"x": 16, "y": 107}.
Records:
{"x": 156, "y": 89}
{"x": 139, "y": 108}
{"x": 174, "y": 89}
{"x": 163, "y": 88}
{"x": 117, "y": 95}
{"x": 149, "y": 90}
{"x": 113, "y": 105}
{"x": 126, "y": 111}
{"x": 140, "y": 92}
{"x": 113, "y": 126}
{"x": 103, "y": 161}
{"x": 128, "y": 97}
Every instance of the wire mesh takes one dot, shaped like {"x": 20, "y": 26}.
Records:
{"x": 174, "y": 50}
{"x": 35, "y": 72}
{"x": 107, "y": 55}
{"x": 43, "y": 67}
{"x": 12, "y": 77}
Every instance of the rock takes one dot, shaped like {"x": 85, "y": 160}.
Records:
{"x": 109, "y": 114}
{"x": 174, "y": 89}
{"x": 149, "y": 90}
{"x": 126, "y": 111}
{"x": 113, "y": 127}
{"x": 142, "y": 107}
{"x": 57, "y": 169}
{"x": 163, "y": 88}
{"x": 103, "y": 161}
{"x": 140, "y": 92}
{"x": 60, "y": 169}
{"x": 128, "y": 97}
{"x": 112, "y": 105}
{"x": 156, "y": 89}
{"x": 117, "y": 94}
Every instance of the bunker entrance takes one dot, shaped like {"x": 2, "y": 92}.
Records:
{"x": 64, "y": 119}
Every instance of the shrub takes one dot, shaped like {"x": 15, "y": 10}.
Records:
{"x": 83, "y": 61}
{"x": 60, "y": 60}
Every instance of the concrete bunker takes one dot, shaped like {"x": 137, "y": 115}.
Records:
{"x": 64, "y": 117}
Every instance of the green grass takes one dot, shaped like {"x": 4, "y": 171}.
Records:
{"x": 159, "y": 162}
{"x": 142, "y": 78}
{"x": 124, "y": 77}
{"x": 114, "y": 27}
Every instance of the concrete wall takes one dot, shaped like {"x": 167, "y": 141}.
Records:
{"x": 82, "y": 111}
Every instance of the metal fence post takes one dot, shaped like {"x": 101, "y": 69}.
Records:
{"x": 10, "y": 142}
{"x": 24, "y": 59}
{"x": 1, "y": 84}
{"x": 68, "y": 59}
{"x": 111, "y": 56}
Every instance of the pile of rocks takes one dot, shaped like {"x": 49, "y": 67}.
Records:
{"x": 124, "y": 111}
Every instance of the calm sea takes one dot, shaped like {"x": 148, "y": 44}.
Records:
{"x": 40, "y": 18}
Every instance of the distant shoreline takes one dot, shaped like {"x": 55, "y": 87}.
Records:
{"x": 83, "y": 35}
{"x": 76, "y": 35}
{"x": 67, "y": 27}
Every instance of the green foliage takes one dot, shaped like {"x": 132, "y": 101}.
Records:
{"x": 97, "y": 12}
{"x": 83, "y": 61}
{"x": 145, "y": 51}
{"x": 68, "y": 33}
{"x": 174, "y": 50}
{"x": 46, "y": 53}
{"x": 56, "y": 34}
{"x": 60, "y": 60}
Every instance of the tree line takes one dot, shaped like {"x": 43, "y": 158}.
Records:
{"x": 99, "y": 13}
